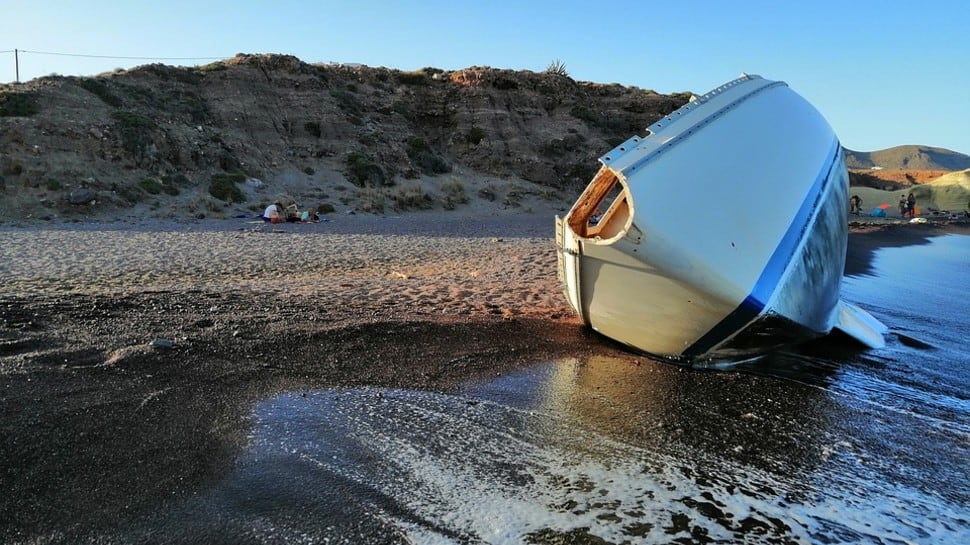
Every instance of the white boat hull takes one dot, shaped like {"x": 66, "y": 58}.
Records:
{"x": 754, "y": 258}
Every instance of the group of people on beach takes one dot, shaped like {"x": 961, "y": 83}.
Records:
{"x": 907, "y": 206}
{"x": 275, "y": 213}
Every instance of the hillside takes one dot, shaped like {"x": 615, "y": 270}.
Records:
{"x": 902, "y": 166}
{"x": 230, "y": 137}
{"x": 892, "y": 179}
{"x": 948, "y": 194}
{"x": 908, "y": 158}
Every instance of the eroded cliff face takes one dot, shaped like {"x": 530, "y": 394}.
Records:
{"x": 334, "y": 134}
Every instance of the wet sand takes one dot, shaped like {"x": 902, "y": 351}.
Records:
{"x": 131, "y": 355}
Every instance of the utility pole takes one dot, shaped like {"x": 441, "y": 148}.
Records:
{"x": 16, "y": 62}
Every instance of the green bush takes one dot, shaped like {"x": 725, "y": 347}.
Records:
{"x": 165, "y": 72}
{"x": 584, "y": 113}
{"x": 153, "y": 186}
{"x": 413, "y": 78}
{"x": 475, "y": 135}
{"x": 53, "y": 185}
{"x": 195, "y": 106}
{"x": 150, "y": 186}
{"x": 347, "y": 101}
{"x": 326, "y": 208}
{"x": 100, "y": 89}
{"x": 505, "y": 84}
{"x": 553, "y": 148}
{"x": 558, "y": 147}
{"x": 558, "y": 68}
{"x": 170, "y": 183}
{"x": 362, "y": 171}
{"x": 15, "y": 104}
{"x": 424, "y": 158}
{"x": 223, "y": 187}
{"x": 217, "y": 66}
{"x": 132, "y": 194}
{"x": 136, "y": 130}
{"x": 309, "y": 171}
{"x": 313, "y": 128}
{"x": 146, "y": 95}
{"x": 402, "y": 107}
{"x": 417, "y": 145}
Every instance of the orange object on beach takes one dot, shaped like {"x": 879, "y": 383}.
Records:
{"x": 883, "y": 206}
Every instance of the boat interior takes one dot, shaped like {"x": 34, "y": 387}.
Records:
{"x": 604, "y": 209}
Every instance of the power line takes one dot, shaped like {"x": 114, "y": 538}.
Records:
{"x": 117, "y": 56}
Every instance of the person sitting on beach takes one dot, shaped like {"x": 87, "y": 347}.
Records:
{"x": 310, "y": 215}
{"x": 292, "y": 213}
{"x": 902, "y": 205}
{"x": 273, "y": 213}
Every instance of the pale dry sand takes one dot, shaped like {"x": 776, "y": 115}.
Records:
{"x": 449, "y": 273}
{"x": 419, "y": 265}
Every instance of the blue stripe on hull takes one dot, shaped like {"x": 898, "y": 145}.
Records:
{"x": 755, "y": 302}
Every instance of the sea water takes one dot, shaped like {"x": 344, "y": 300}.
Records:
{"x": 828, "y": 443}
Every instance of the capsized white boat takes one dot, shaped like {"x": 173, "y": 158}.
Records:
{"x": 749, "y": 254}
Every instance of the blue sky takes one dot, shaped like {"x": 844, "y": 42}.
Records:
{"x": 884, "y": 73}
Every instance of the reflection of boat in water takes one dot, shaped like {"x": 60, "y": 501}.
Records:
{"x": 725, "y": 281}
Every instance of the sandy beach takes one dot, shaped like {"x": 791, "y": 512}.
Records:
{"x": 173, "y": 329}
{"x": 270, "y": 292}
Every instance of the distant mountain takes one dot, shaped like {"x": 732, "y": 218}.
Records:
{"x": 908, "y": 157}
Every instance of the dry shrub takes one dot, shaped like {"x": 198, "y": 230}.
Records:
{"x": 371, "y": 199}
{"x": 411, "y": 197}
{"x": 452, "y": 193}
